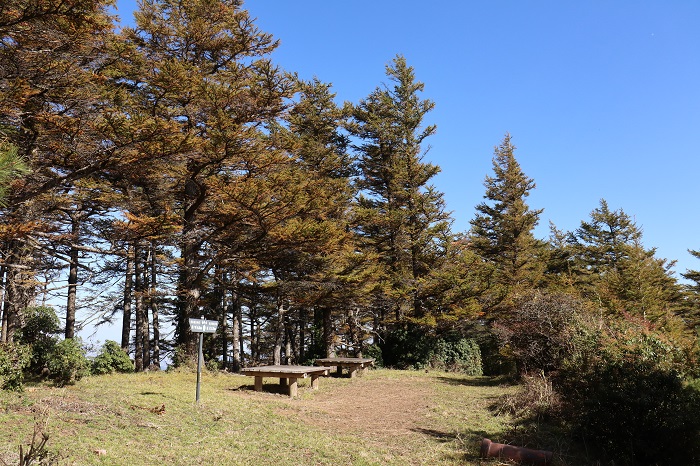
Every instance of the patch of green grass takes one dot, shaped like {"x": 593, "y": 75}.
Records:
{"x": 152, "y": 418}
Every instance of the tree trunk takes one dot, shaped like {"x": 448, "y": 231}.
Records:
{"x": 153, "y": 300}
{"x": 141, "y": 351}
{"x": 236, "y": 332}
{"x": 353, "y": 332}
{"x": 3, "y": 302}
{"x": 18, "y": 289}
{"x": 72, "y": 278}
{"x": 128, "y": 285}
{"x": 301, "y": 350}
{"x": 328, "y": 333}
{"x": 254, "y": 332}
{"x": 289, "y": 345}
{"x": 222, "y": 309}
{"x": 279, "y": 336}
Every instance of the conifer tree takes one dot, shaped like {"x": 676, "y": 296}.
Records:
{"x": 613, "y": 269}
{"x": 51, "y": 57}
{"x": 200, "y": 67}
{"x": 502, "y": 231}
{"x": 692, "y": 290}
{"x": 400, "y": 217}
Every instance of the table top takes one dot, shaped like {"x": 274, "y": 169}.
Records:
{"x": 283, "y": 369}
{"x": 345, "y": 360}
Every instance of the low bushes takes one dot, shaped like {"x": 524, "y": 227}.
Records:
{"x": 111, "y": 358}
{"x": 38, "y": 352}
{"x": 623, "y": 380}
{"x": 67, "y": 363}
{"x": 414, "y": 348}
{"x": 14, "y": 359}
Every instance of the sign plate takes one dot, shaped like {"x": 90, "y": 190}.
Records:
{"x": 203, "y": 326}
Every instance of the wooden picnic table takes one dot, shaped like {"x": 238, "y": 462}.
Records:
{"x": 288, "y": 375}
{"x": 353, "y": 364}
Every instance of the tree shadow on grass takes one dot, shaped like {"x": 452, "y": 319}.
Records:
{"x": 267, "y": 388}
{"x": 475, "y": 381}
{"x": 469, "y": 440}
{"x": 441, "y": 436}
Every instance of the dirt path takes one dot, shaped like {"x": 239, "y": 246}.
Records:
{"x": 384, "y": 406}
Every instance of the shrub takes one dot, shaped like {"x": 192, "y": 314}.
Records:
{"x": 538, "y": 335}
{"x": 374, "y": 351}
{"x": 460, "y": 355}
{"x": 14, "y": 358}
{"x": 41, "y": 326}
{"x": 39, "y": 322}
{"x": 412, "y": 347}
{"x": 629, "y": 398}
{"x": 111, "y": 358}
{"x": 67, "y": 362}
{"x": 536, "y": 399}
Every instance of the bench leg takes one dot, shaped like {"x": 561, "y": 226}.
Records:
{"x": 292, "y": 387}
{"x": 353, "y": 371}
{"x": 314, "y": 382}
{"x": 339, "y": 370}
{"x": 283, "y": 381}
{"x": 258, "y": 383}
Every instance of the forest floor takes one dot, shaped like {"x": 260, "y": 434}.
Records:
{"x": 384, "y": 417}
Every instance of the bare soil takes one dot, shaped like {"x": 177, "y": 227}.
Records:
{"x": 378, "y": 406}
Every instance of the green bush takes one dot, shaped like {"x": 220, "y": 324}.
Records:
{"x": 412, "y": 347}
{"x": 629, "y": 398}
{"x": 67, "y": 362}
{"x": 111, "y": 358}
{"x": 374, "y": 351}
{"x": 39, "y": 322}
{"x": 461, "y": 355}
{"x": 14, "y": 359}
{"x": 40, "y": 327}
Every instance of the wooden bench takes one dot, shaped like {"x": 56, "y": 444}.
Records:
{"x": 288, "y": 375}
{"x": 353, "y": 364}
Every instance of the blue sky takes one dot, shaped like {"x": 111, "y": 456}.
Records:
{"x": 601, "y": 98}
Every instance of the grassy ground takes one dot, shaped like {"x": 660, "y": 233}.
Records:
{"x": 381, "y": 418}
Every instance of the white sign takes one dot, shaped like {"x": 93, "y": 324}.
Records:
{"x": 203, "y": 326}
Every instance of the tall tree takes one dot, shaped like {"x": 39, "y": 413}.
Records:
{"x": 400, "y": 217}
{"x": 51, "y": 56}
{"x": 612, "y": 267}
{"x": 201, "y": 67}
{"x": 693, "y": 291}
{"x": 502, "y": 231}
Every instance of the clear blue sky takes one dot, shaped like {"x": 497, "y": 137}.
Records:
{"x": 601, "y": 98}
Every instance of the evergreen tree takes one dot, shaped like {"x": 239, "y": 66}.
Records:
{"x": 692, "y": 291}
{"x": 400, "y": 217}
{"x": 613, "y": 268}
{"x": 200, "y": 67}
{"x": 502, "y": 231}
{"x": 11, "y": 167}
{"x": 51, "y": 59}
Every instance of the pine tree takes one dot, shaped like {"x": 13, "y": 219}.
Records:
{"x": 199, "y": 66}
{"x": 502, "y": 231}
{"x": 400, "y": 217}
{"x": 51, "y": 61}
{"x": 613, "y": 269}
{"x": 692, "y": 291}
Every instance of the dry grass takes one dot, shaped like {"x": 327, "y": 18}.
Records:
{"x": 382, "y": 418}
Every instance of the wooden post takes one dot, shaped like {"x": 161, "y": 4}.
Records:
{"x": 314, "y": 382}
{"x": 293, "y": 387}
